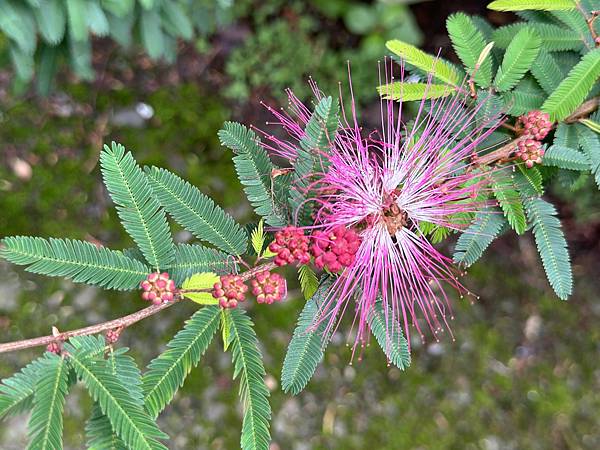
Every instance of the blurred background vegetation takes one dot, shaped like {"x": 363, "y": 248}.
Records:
{"x": 523, "y": 372}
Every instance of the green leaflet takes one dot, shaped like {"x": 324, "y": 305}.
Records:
{"x": 176, "y": 21}
{"x": 510, "y": 201}
{"x": 547, "y": 71}
{"x": 529, "y": 181}
{"x": 566, "y": 135}
{"x": 76, "y": 11}
{"x": 319, "y": 135}
{"x": 16, "y": 392}
{"x": 408, "y": 92}
{"x": 254, "y": 169}
{"x": 98, "y": 430}
{"x": 254, "y": 395}
{"x": 139, "y": 211}
{"x": 151, "y": 33}
{"x": 128, "y": 418}
{"x": 51, "y": 20}
{"x": 476, "y": 239}
{"x": 526, "y": 96}
{"x": 591, "y": 147}
{"x": 565, "y": 158}
{"x": 518, "y": 58}
{"x": 551, "y": 245}
{"x": 439, "y": 68}
{"x": 167, "y": 372}
{"x": 572, "y": 90}
{"x": 542, "y": 5}
{"x": 81, "y": 261}
{"x": 469, "y": 44}
{"x": 46, "y": 421}
{"x": 308, "y": 281}
{"x": 389, "y": 336}
{"x": 307, "y": 345}
{"x": 197, "y": 212}
{"x": 191, "y": 259}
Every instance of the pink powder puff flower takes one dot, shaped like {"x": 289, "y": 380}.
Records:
{"x": 385, "y": 186}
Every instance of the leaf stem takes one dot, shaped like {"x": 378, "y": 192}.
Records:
{"x": 121, "y": 322}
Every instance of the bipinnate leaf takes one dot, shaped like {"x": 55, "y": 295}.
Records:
{"x": 572, "y": 91}
{"x": 388, "y": 334}
{"x": 80, "y": 261}
{"x": 476, "y": 238}
{"x": 167, "y": 373}
{"x": 46, "y": 421}
{"x": 128, "y": 418}
{"x": 254, "y": 395}
{"x": 518, "y": 59}
{"x": 254, "y": 169}
{"x": 551, "y": 245}
{"x": 138, "y": 209}
{"x": 469, "y": 44}
{"x": 307, "y": 345}
{"x": 509, "y": 200}
{"x": 406, "y": 92}
{"x": 540, "y": 5}
{"x": 197, "y": 212}
{"x": 439, "y": 68}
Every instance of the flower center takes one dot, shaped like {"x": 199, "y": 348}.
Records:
{"x": 394, "y": 218}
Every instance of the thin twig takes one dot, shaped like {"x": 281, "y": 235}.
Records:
{"x": 121, "y": 322}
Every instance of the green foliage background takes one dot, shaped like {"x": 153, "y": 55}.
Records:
{"x": 522, "y": 374}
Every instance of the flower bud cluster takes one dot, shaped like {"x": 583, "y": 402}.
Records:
{"x": 290, "y": 245}
{"x": 158, "y": 288}
{"x": 268, "y": 287}
{"x": 229, "y": 291}
{"x": 530, "y": 152}
{"x": 335, "y": 249}
{"x": 534, "y": 126}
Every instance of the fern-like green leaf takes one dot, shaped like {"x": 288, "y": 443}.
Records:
{"x": 476, "y": 239}
{"x": 197, "y": 212}
{"x": 510, "y": 201}
{"x": 556, "y": 38}
{"x": 565, "y": 158}
{"x": 307, "y": 345}
{"x": 16, "y": 392}
{"x": 257, "y": 238}
{"x": 551, "y": 245}
{"x": 547, "y": 71}
{"x": 566, "y": 136}
{"x": 529, "y": 180}
{"x": 408, "y": 92}
{"x": 81, "y": 261}
{"x": 46, "y": 421}
{"x": 99, "y": 432}
{"x": 308, "y": 281}
{"x": 591, "y": 146}
{"x": 439, "y": 68}
{"x": 139, "y": 211}
{"x": 518, "y": 58}
{"x": 168, "y": 372}
{"x": 525, "y": 97}
{"x": 128, "y": 418}
{"x": 577, "y": 22}
{"x": 469, "y": 44}
{"x": 540, "y": 5}
{"x": 389, "y": 335}
{"x": 254, "y": 170}
{"x": 248, "y": 365}
{"x": 572, "y": 90}
{"x": 191, "y": 259}
{"x": 51, "y": 20}
{"x": 319, "y": 134}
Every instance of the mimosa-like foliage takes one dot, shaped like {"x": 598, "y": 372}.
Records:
{"x": 547, "y": 61}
